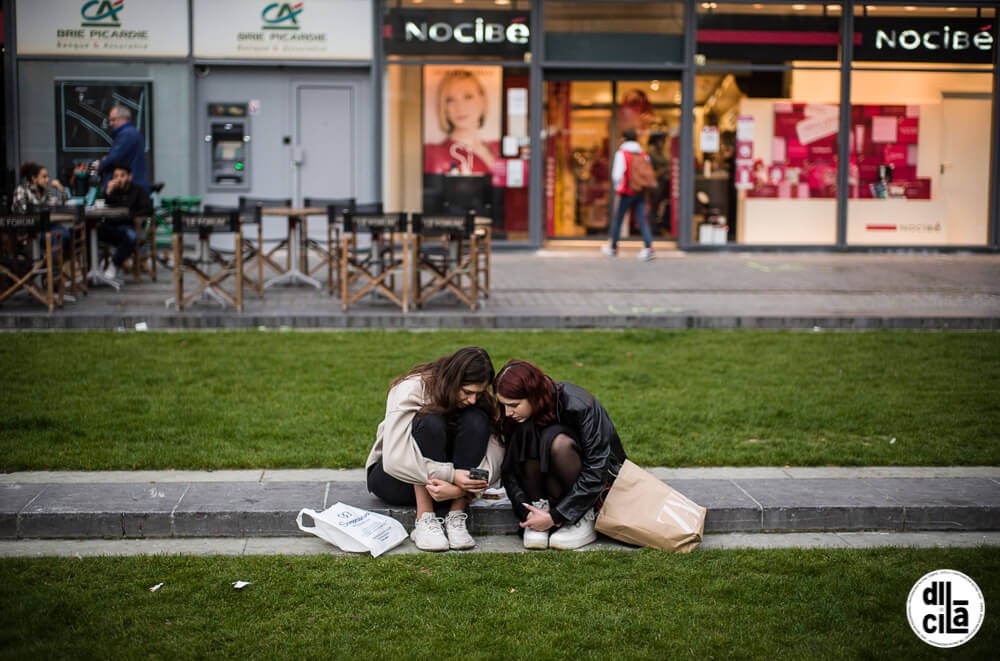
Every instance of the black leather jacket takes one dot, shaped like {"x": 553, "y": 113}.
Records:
{"x": 599, "y": 445}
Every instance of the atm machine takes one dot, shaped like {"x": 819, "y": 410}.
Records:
{"x": 228, "y": 140}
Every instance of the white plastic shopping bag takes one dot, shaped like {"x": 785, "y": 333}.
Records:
{"x": 353, "y": 529}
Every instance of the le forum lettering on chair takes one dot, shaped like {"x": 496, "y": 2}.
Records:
{"x": 376, "y": 222}
{"x": 17, "y": 221}
{"x": 442, "y": 222}
{"x": 195, "y": 222}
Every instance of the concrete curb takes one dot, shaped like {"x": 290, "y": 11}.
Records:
{"x": 190, "y": 509}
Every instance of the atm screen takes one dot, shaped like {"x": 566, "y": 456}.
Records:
{"x": 228, "y": 150}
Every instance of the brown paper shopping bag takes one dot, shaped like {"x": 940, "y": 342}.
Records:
{"x": 642, "y": 510}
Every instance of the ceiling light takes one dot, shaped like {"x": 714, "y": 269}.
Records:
{"x": 501, "y": 2}
{"x": 798, "y": 7}
{"x": 655, "y": 86}
{"x": 909, "y": 8}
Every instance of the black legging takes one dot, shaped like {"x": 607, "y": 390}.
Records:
{"x": 565, "y": 465}
{"x": 461, "y": 441}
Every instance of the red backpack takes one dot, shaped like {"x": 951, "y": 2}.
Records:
{"x": 641, "y": 178}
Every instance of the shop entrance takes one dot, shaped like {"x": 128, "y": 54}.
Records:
{"x": 584, "y": 117}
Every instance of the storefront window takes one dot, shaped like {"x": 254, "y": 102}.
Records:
{"x": 456, "y": 132}
{"x": 766, "y": 130}
{"x": 921, "y": 102}
{"x": 457, "y": 139}
{"x": 650, "y": 31}
{"x": 584, "y": 121}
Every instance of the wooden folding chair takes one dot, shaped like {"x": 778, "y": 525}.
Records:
{"x": 374, "y": 269}
{"x": 28, "y": 260}
{"x": 144, "y": 257}
{"x": 258, "y": 252}
{"x": 328, "y": 254}
{"x": 210, "y": 267}
{"x": 446, "y": 257}
{"x": 74, "y": 262}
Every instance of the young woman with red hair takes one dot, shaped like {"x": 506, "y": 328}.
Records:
{"x": 562, "y": 455}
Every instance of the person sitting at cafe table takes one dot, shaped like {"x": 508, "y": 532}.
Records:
{"x": 37, "y": 191}
{"x": 120, "y": 232}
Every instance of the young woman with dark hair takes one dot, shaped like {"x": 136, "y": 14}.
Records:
{"x": 439, "y": 423}
{"x": 37, "y": 190}
{"x": 562, "y": 455}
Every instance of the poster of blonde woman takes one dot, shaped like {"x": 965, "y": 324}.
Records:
{"x": 461, "y": 119}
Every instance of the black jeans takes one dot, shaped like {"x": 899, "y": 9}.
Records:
{"x": 460, "y": 439}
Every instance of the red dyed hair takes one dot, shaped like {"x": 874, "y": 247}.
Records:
{"x": 519, "y": 379}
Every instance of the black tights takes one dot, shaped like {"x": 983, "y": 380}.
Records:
{"x": 565, "y": 464}
{"x": 461, "y": 441}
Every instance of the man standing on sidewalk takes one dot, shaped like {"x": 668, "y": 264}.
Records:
{"x": 128, "y": 148}
{"x": 628, "y": 198}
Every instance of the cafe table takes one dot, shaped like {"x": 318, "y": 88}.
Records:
{"x": 296, "y": 272}
{"x": 94, "y": 216}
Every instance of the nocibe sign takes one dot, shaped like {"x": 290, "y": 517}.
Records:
{"x": 967, "y": 40}
{"x": 457, "y": 32}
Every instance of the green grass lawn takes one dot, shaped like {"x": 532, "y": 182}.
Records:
{"x": 95, "y": 401}
{"x": 787, "y": 604}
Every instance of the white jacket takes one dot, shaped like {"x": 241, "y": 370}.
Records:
{"x": 618, "y": 167}
{"x": 400, "y": 455}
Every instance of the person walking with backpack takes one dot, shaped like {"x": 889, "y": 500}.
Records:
{"x": 632, "y": 176}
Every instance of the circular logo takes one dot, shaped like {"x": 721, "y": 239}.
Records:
{"x": 945, "y": 608}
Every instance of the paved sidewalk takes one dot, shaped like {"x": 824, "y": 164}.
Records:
{"x": 245, "y": 505}
{"x": 581, "y": 289}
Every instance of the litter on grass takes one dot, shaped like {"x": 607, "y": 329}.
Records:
{"x": 156, "y": 587}
{"x": 239, "y": 585}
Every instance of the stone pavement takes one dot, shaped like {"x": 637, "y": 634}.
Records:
{"x": 579, "y": 288}
{"x": 236, "y": 512}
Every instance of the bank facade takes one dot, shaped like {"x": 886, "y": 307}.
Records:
{"x": 826, "y": 126}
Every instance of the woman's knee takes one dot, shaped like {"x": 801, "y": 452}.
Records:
{"x": 473, "y": 422}
{"x": 564, "y": 447}
{"x": 429, "y": 427}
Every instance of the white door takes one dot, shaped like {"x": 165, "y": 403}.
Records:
{"x": 965, "y": 167}
{"x": 325, "y": 155}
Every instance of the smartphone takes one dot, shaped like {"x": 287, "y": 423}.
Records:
{"x": 479, "y": 474}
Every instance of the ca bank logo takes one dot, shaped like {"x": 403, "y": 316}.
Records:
{"x": 281, "y": 16}
{"x": 101, "y": 13}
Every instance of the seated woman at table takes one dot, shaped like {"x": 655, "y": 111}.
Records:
{"x": 439, "y": 426}
{"x": 121, "y": 192}
{"x": 38, "y": 191}
{"x": 562, "y": 455}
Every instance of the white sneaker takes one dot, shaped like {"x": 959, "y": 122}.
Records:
{"x": 608, "y": 251}
{"x": 579, "y": 534}
{"x": 428, "y": 534}
{"x": 646, "y": 255}
{"x": 111, "y": 272}
{"x": 534, "y": 539}
{"x": 458, "y": 534}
